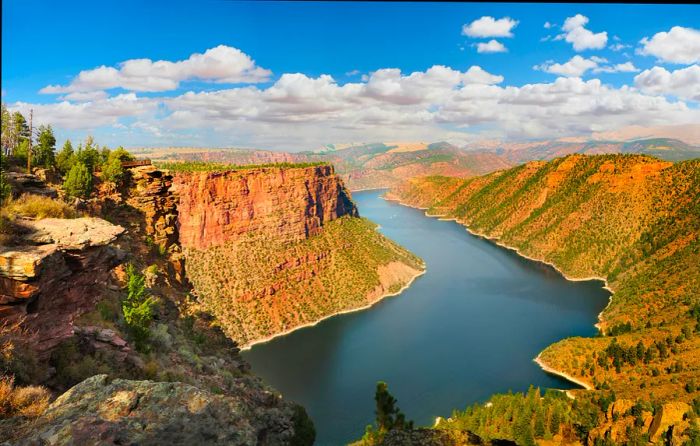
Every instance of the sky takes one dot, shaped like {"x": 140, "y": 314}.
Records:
{"x": 298, "y": 75}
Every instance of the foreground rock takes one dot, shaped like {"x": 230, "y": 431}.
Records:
{"x": 50, "y": 280}
{"x": 97, "y": 412}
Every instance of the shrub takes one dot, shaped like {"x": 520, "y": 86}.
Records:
{"x": 16, "y": 357}
{"x": 78, "y": 181}
{"x": 37, "y": 206}
{"x": 73, "y": 365}
{"x": 30, "y": 401}
{"x": 137, "y": 308}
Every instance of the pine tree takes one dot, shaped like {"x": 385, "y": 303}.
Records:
{"x": 44, "y": 152}
{"x": 388, "y": 414}
{"x": 78, "y": 181}
{"x": 64, "y": 159}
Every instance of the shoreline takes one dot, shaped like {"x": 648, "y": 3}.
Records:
{"x": 546, "y": 368}
{"x": 338, "y": 313}
{"x": 561, "y": 374}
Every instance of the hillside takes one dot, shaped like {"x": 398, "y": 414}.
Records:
{"x": 631, "y": 219}
{"x": 272, "y": 249}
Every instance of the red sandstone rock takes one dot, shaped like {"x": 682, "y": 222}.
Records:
{"x": 286, "y": 204}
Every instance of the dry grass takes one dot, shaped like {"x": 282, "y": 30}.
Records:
{"x": 29, "y": 401}
{"x": 37, "y": 206}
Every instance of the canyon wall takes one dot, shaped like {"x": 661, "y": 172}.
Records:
{"x": 283, "y": 203}
{"x": 271, "y": 249}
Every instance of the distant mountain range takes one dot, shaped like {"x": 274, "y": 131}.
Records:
{"x": 385, "y": 164}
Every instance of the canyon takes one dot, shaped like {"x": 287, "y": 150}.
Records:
{"x": 631, "y": 220}
{"x": 231, "y": 258}
{"x": 272, "y": 249}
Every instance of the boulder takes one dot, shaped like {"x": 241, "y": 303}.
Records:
{"x": 99, "y": 411}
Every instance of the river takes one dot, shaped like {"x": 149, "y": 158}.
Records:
{"x": 468, "y": 328}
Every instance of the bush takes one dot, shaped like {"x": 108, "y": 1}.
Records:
{"x": 30, "y": 401}
{"x": 137, "y": 308}
{"x": 78, "y": 181}
{"x": 37, "y": 206}
{"x": 73, "y": 365}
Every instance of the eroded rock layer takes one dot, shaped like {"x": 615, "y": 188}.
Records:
{"x": 282, "y": 203}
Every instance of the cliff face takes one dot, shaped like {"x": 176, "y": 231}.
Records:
{"x": 55, "y": 276}
{"x": 284, "y": 204}
{"x": 271, "y": 249}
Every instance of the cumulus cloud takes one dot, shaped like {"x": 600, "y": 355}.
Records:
{"x": 679, "y": 45}
{"x": 581, "y": 38}
{"x": 577, "y": 66}
{"x": 627, "y": 67}
{"x": 87, "y": 115}
{"x": 683, "y": 83}
{"x": 300, "y": 112}
{"x": 492, "y": 46}
{"x": 489, "y": 27}
{"x": 222, "y": 64}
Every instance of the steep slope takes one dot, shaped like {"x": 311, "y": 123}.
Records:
{"x": 633, "y": 220}
{"x": 275, "y": 248}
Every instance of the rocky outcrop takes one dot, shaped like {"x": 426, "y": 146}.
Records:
{"x": 282, "y": 203}
{"x": 50, "y": 280}
{"x": 23, "y": 183}
{"x": 99, "y": 411}
{"x": 151, "y": 195}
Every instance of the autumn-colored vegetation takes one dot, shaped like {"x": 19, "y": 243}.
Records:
{"x": 258, "y": 287}
{"x": 633, "y": 220}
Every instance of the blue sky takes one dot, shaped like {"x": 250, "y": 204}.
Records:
{"x": 347, "y": 41}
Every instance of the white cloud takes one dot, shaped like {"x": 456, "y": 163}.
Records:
{"x": 577, "y": 66}
{"x": 85, "y": 96}
{"x": 492, "y": 46}
{"x": 222, "y": 64}
{"x": 547, "y": 25}
{"x": 618, "y": 46}
{"x": 581, "y": 38}
{"x": 679, "y": 45}
{"x": 489, "y": 27}
{"x": 683, "y": 83}
{"x": 627, "y": 67}
{"x": 87, "y": 115}
{"x": 301, "y": 112}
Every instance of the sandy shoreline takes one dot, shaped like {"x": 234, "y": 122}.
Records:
{"x": 495, "y": 241}
{"x": 556, "y": 372}
{"x": 351, "y": 310}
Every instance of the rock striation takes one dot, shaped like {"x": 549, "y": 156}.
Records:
{"x": 49, "y": 281}
{"x": 282, "y": 203}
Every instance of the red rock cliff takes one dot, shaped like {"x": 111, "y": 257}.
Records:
{"x": 284, "y": 203}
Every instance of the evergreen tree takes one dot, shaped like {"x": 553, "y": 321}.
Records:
{"x": 88, "y": 155}
{"x": 388, "y": 414}
{"x": 64, "y": 159}
{"x": 44, "y": 153}
{"x": 112, "y": 170}
{"x": 20, "y": 128}
{"x": 78, "y": 181}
